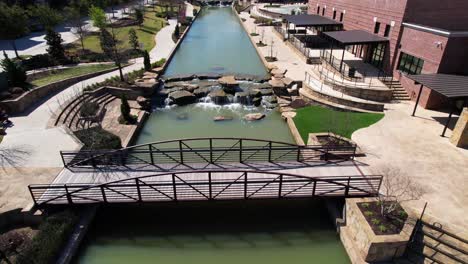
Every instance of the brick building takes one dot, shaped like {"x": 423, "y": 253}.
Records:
{"x": 425, "y": 36}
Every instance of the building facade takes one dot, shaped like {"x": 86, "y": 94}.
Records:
{"x": 425, "y": 36}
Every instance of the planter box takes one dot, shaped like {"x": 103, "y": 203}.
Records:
{"x": 371, "y": 247}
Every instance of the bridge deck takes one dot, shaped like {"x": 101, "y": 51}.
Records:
{"x": 309, "y": 169}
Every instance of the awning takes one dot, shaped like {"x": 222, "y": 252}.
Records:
{"x": 450, "y": 86}
{"x": 354, "y": 37}
{"x": 311, "y": 20}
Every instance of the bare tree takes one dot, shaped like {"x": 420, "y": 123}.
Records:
{"x": 13, "y": 157}
{"x": 397, "y": 188}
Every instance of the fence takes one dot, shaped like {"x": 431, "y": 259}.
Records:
{"x": 207, "y": 151}
{"x": 206, "y": 185}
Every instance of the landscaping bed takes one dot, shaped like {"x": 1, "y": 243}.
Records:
{"x": 317, "y": 119}
{"x": 97, "y": 138}
{"x": 62, "y": 74}
{"x": 383, "y": 225}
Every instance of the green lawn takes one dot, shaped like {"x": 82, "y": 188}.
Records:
{"x": 70, "y": 72}
{"x": 316, "y": 119}
{"x": 145, "y": 33}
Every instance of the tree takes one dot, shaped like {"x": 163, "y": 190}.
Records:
{"x": 396, "y": 189}
{"x": 146, "y": 61}
{"x": 55, "y": 49}
{"x": 98, "y": 16}
{"x": 48, "y": 17}
{"x": 74, "y": 15}
{"x": 109, "y": 46}
{"x": 133, "y": 39}
{"x": 16, "y": 75}
{"x": 125, "y": 109}
{"x": 14, "y": 24}
{"x": 139, "y": 16}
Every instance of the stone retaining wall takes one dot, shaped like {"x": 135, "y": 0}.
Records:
{"x": 374, "y": 94}
{"x": 294, "y": 132}
{"x": 29, "y": 98}
{"x": 355, "y": 104}
{"x": 371, "y": 247}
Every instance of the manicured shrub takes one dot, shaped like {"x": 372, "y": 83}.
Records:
{"x": 38, "y": 61}
{"x": 125, "y": 108}
{"x": 16, "y": 75}
{"x": 46, "y": 244}
{"x": 97, "y": 138}
{"x": 177, "y": 31}
{"x": 55, "y": 49}
{"x": 146, "y": 60}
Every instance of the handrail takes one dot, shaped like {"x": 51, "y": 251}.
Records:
{"x": 133, "y": 187}
{"x": 182, "y": 151}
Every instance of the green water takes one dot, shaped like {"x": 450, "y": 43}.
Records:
{"x": 218, "y": 43}
{"x": 196, "y": 120}
{"x": 235, "y": 233}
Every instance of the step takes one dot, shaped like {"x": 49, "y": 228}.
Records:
{"x": 69, "y": 108}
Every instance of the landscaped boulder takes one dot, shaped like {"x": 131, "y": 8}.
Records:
{"x": 288, "y": 82}
{"x": 278, "y": 71}
{"x": 222, "y": 118}
{"x": 143, "y": 102}
{"x": 219, "y": 97}
{"x": 298, "y": 103}
{"x": 257, "y": 101}
{"x": 266, "y": 92}
{"x": 146, "y": 83}
{"x": 150, "y": 75}
{"x": 255, "y": 93}
{"x": 275, "y": 83}
{"x": 201, "y": 92}
{"x": 254, "y": 116}
{"x": 178, "y": 78}
{"x": 286, "y": 115}
{"x": 210, "y": 75}
{"x": 182, "y": 97}
{"x": 228, "y": 83}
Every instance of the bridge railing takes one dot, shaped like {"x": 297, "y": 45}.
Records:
{"x": 209, "y": 151}
{"x": 206, "y": 185}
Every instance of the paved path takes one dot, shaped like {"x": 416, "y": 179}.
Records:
{"x": 414, "y": 146}
{"x": 38, "y": 145}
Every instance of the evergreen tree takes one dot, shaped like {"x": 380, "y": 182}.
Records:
{"x": 14, "y": 24}
{"x": 139, "y": 16}
{"x": 16, "y": 75}
{"x": 146, "y": 61}
{"x": 55, "y": 49}
{"x": 133, "y": 39}
{"x": 176, "y": 31}
{"x": 125, "y": 109}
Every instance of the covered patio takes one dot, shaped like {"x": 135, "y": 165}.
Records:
{"x": 368, "y": 47}
{"x": 452, "y": 87}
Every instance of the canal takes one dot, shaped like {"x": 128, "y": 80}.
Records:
{"x": 253, "y": 232}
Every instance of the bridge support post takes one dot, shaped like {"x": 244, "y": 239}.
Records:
{"x": 69, "y": 198}
{"x": 210, "y": 188}
{"x": 174, "y": 186}
{"x": 103, "y": 194}
{"x": 137, "y": 182}
{"x": 150, "y": 147}
{"x": 313, "y": 189}
{"x": 240, "y": 151}
{"x": 245, "y": 185}
{"x": 347, "y": 187}
{"x": 181, "y": 153}
{"x": 211, "y": 150}
{"x": 280, "y": 187}
{"x": 269, "y": 151}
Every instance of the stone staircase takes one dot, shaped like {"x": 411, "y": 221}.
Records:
{"x": 399, "y": 93}
{"x": 69, "y": 116}
{"x": 432, "y": 244}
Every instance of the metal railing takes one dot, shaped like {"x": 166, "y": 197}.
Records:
{"x": 206, "y": 185}
{"x": 207, "y": 151}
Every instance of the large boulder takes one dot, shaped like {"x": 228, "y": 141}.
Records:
{"x": 143, "y": 102}
{"x": 228, "y": 83}
{"x": 278, "y": 71}
{"x": 219, "y": 97}
{"x": 257, "y": 101}
{"x": 182, "y": 97}
{"x": 255, "y": 92}
{"x": 288, "y": 82}
{"x": 254, "y": 116}
{"x": 266, "y": 92}
{"x": 276, "y": 83}
{"x": 201, "y": 92}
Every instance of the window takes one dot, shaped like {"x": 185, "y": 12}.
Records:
{"x": 318, "y": 10}
{"x": 377, "y": 28}
{"x": 387, "y": 31}
{"x": 323, "y": 11}
{"x": 334, "y": 14}
{"x": 378, "y": 55}
{"x": 341, "y": 16}
{"x": 410, "y": 64}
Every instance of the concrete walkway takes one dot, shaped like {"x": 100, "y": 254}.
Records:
{"x": 414, "y": 146}
{"x": 38, "y": 145}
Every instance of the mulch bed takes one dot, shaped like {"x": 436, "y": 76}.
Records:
{"x": 390, "y": 225}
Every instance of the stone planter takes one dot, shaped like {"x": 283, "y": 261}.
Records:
{"x": 358, "y": 236}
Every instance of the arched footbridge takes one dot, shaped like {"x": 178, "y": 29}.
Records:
{"x": 206, "y": 185}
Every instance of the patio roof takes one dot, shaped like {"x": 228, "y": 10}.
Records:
{"x": 448, "y": 85}
{"x": 305, "y": 20}
{"x": 355, "y": 37}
